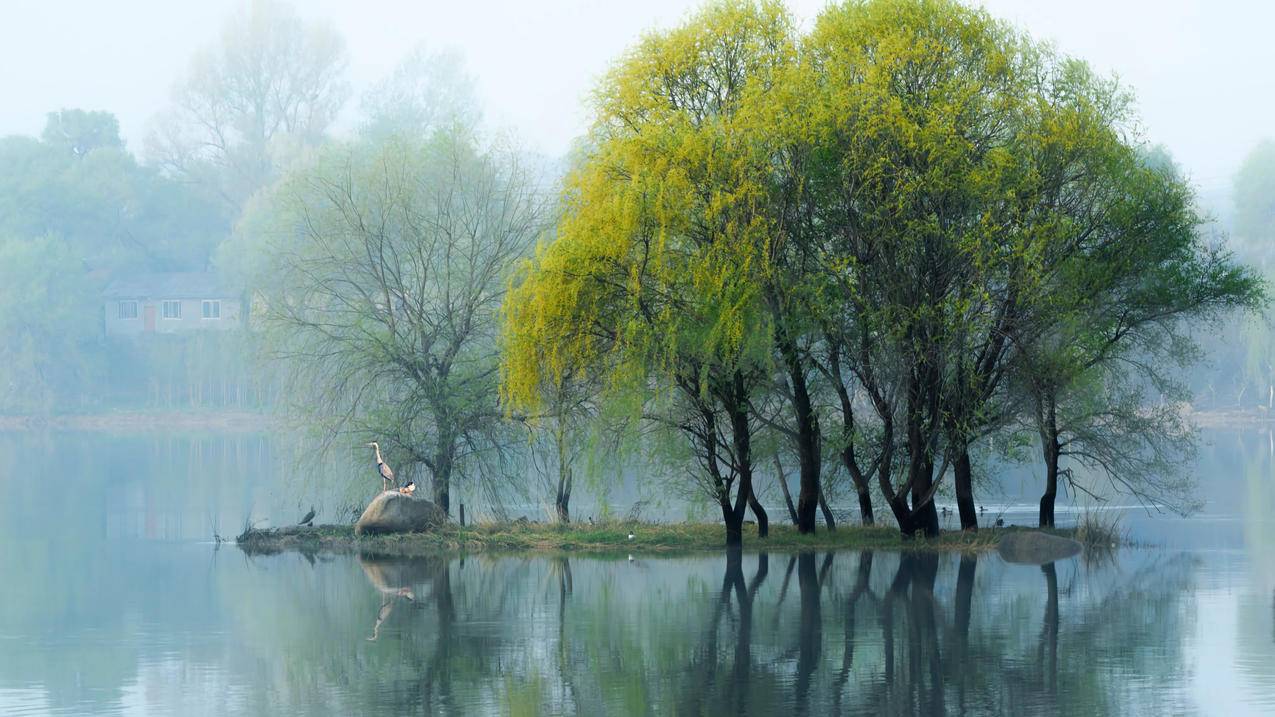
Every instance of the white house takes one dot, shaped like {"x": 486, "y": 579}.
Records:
{"x": 170, "y": 303}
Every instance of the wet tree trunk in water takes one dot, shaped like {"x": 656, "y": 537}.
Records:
{"x": 1049, "y": 441}
{"x": 783, "y": 485}
{"x": 965, "y": 490}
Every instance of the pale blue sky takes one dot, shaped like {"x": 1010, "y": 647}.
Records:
{"x": 1201, "y": 70}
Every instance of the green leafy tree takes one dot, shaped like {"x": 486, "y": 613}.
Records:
{"x": 654, "y": 284}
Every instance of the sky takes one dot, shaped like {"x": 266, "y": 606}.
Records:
{"x": 1201, "y": 69}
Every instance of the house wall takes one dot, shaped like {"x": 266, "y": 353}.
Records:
{"x": 191, "y": 317}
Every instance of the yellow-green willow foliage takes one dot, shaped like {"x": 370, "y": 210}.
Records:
{"x": 901, "y": 207}
{"x": 657, "y": 267}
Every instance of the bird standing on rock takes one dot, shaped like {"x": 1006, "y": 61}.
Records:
{"x": 387, "y": 475}
{"x": 309, "y": 517}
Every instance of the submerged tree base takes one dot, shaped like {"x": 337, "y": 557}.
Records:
{"x": 609, "y": 537}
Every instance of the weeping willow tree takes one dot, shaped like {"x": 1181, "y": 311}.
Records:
{"x": 884, "y": 221}
{"x": 655, "y": 285}
{"x": 388, "y": 263}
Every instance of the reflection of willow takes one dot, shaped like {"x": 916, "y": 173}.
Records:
{"x": 915, "y": 685}
{"x": 861, "y": 591}
{"x": 561, "y": 567}
{"x": 810, "y": 632}
{"x": 471, "y": 657}
{"x": 702, "y": 676}
{"x": 1111, "y": 632}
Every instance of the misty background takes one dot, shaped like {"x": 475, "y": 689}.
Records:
{"x": 121, "y": 185}
{"x": 1198, "y": 67}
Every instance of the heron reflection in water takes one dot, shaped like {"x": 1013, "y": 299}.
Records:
{"x": 387, "y": 606}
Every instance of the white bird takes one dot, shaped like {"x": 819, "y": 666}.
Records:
{"x": 630, "y": 558}
{"x": 630, "y": 536}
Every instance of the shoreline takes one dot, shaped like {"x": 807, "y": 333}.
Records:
{"x": 228, "y": 421}
{"x": 649, "y": 538}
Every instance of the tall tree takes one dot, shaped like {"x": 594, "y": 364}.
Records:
{"x": 911, "y": 164}
{"x": 271, "y": 85}
{"x": 388, "y": 264}
{"x": 654, "y": 279}
{"x": 426, "y": 91}
{"x": 1128, "y": 270}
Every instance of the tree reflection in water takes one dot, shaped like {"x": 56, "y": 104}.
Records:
{"x": 919, "y": 634}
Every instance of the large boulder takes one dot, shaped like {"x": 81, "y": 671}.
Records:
{"x": 394, "y": 512}
{"x": 1034, "y": 548}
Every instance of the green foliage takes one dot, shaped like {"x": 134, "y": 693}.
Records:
{"x": 913, "y": 194}
{"x": 81, "y": 132}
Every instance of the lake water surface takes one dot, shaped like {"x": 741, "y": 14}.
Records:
{"x": 114, "y": 601}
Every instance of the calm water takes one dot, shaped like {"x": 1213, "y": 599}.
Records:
{"x": 114, "y": 602}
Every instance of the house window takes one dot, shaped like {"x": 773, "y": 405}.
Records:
{"x": 128, "y": 310}
{"x": 171, "y": 309}
{"x": 212, "y": 309}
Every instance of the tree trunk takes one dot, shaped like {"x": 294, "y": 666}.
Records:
{"x": 562, "y": 506}
{"x": 763, "y": 520}
{"x": 734, "y": 524}
{"x": 965, "y": 491}
{"x": 442, "y": 478}
{"x": 809, "y": 459}
{"x": 903, "y": 515}
{"x": 562, "y": 501}
{"x": 847, "y": 435}
{"x": 920, "y": 464}
{"x": 1049, "y": 441}
{"x": 783, "y": 485}
{"x": 808, "y": 454}
{"x": 865, "y": 507}
{"x": 827, "y": 512}
{"x": 741, "y": 437}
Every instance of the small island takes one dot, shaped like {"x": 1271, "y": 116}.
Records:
{"x": 614, "y": 537}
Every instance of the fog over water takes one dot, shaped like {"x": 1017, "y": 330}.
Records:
{"x": 952, "y": 297}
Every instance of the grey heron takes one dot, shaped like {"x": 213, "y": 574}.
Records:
{"x": 387, "y": 475}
